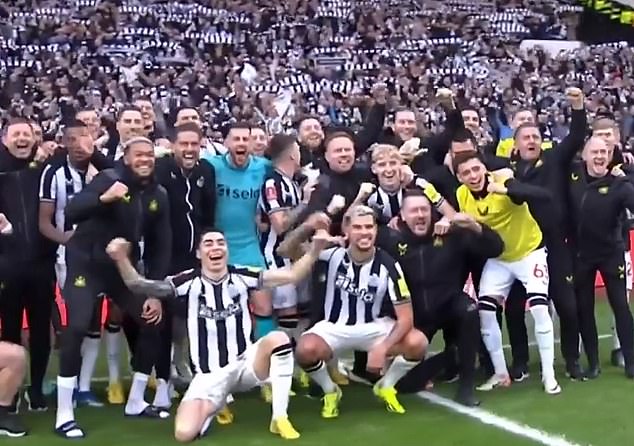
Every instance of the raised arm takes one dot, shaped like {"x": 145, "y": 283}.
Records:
{"x": 118, "y": 250}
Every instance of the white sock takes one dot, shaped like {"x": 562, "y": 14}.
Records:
{"x": 281, "y": 377}
{"x": 136, "y": 399}
{"x": 65, "y": 389}
{"x": 544, "y": 335}
{"x": 162, "y": 396}
{"x": 492, "y": 337}
{"x": 398, "y": 369}
{"x": 89, "y": 354}
{"x": 113, "y": 350}
{"x": 319, "y": 374}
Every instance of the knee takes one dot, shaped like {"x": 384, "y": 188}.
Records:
{"x": 414, "y": 345}
{"x": 309, "y": 349}
{"x": 276, "y": 339}
{"x": 184, "y": 433}
{"x": 13, "y": 354}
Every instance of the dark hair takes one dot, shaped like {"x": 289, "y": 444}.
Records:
{"x": 402, "y": 109}
{"x": 526, "y": 125}
{"x": 74, "y": 124}
{"x": 337, "y": 134}
{"x": 126, "y": 108}
{"x": 278, "y": 145}
{"x": 85, "y": 109}
{"x": 204, "y": 231}
{"x": 240, "y": 125}
{"x": 413, "y": 192}
{"x": 187, "y": 127}
{"x": 185, "y": 107}
{"x": 470, "y": 108}
{"x": 300, "y": 121}
{"x": 464, "y": 135}
{"x": 461, "y": 158}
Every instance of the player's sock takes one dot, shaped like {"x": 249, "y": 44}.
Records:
{"x": 545, "y": 338}
{"x": 492, "y": 337}
{"x": 65, "y": 390}
{"x": 399, "y": 368}
{"x": 281, "y": 376}
{"x": 89, "y": 354}
{"x": 113, "y": 349}
{"x": 162, "y": 396}
{"x": 136, "y": 399}
{"x": 319, "y": 373}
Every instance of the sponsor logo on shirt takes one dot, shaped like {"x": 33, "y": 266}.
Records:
{"x": 237, "y": 192}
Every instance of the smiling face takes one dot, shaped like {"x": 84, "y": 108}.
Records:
{"x": 340, "y": 154}
{"x": 386, "y": 165}
{"x": 129, "y": 125}
{"x": 187, "y": 149}
{"x": 471, "y": 121}
{"x": 311, "y": 134}
{"x": 472, "y": 173}
{"x": 522, "y": 117}
{"x": 91, "y": 119}
{"x": 405, "y": 124}
{"x": 213, "y": 252}
{"x": 19, "y": 139}
{"x": 597, "y": 157}
{"x": 360, "y": 227}
{"x": 139, "y": 157}
{"x": 259, "y": 141}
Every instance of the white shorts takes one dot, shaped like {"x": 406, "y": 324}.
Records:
{"x": 60, "y": 273}
{"x": 238, "y": 376}
{"x": 628, "y": 270}
{"x": 363, "y": 337}
{"x": 498, "y": 276}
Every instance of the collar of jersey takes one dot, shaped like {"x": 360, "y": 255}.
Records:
{"x": 484, "y": 192}
{"x": 227, "y": 159}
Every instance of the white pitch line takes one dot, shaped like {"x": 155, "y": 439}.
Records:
{"x": 504, "y": 424}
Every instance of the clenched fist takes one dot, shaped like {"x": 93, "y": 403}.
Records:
{"x": 116, "y": 192}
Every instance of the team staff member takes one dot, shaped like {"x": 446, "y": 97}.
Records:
{"x": 431, "y": 265}
{"x": 502, "y": 205}
{"x": 190, "y": 186}
{"x": 124, "y": 201}
{"x": 597, "y": 201}
{"x": 12, "y": 368}
{"x": 27, "y": 260}
{"x": 548, "y": 169}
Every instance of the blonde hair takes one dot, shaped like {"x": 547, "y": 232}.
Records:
{"x": 604, "y": 124}
{"x": 379, "y": 150}
{"x": 359, "y": 210}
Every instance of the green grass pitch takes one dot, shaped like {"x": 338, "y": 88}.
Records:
{"x": 597, "y": 413}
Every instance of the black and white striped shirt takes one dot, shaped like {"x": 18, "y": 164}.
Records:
{"x": 358, "y": 294}
{"x": 59, "y": 182}
{"x": 387, "y": 204}
{"x": 278, "y": 193}
{"x": 219, "y": 325}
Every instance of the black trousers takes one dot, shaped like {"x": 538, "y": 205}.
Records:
{"x": 34, "y": 293}
{"x": 84, "y": 283}
{"x": 460, "y": 316}
{"x": 612, "y": 270}
{"x": 562, "y": 292}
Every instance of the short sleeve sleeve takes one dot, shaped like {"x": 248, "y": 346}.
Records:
{"x": 251, "y": 276}
{"x": 272, "y": 197}
{"x": 48, "y": 184}
{"x": 182, "y": 282}
{"x": 397, "y": 288}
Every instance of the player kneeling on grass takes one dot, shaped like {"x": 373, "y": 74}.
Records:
{"x": 367, "y": 307}
{"x": 219, "y": 330}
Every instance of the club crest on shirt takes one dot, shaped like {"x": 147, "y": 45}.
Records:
{"x": 483, "y": 211}
{"x": 603, "y": 190}
{"x": 438, "y": 242}
{"x": 200, "y": 182}
{"x": 574, "y": 177}
{"x": 126, "y": 198}
{"x": 346, "y": 284}
{"x": 402, "y": 249}
{"x": 153, "y": 206}
{"x": 80, "y": 282}
{"x": 539, "y": 163}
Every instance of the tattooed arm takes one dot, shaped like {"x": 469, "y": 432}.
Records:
{"x": 118, "y": 250}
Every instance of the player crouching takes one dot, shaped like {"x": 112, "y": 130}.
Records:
{"x": 367, "y": 307}
{"x": 219, "y": 329}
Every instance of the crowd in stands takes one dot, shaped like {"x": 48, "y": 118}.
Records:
{"x": 273, "y": 63}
